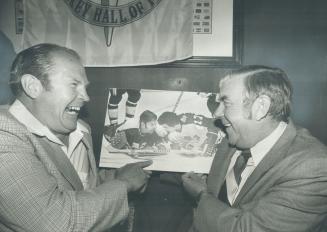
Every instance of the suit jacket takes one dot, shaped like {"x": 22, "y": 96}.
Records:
{"x": 286, "y": 192}
{"x": 40, "y": 190}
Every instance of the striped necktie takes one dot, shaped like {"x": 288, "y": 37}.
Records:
{"x": 240, "y": 164}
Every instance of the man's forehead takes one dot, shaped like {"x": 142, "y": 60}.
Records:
{"x": 232, "y": 78}
{"x": 230, "y": 86}
{"x": 69, "y": 66}
{"x": 71, "y": 75}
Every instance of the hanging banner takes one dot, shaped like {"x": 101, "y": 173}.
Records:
{"x": 113, "y": 32}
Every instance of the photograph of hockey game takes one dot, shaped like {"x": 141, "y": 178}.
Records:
{"x": 174, "y": 129}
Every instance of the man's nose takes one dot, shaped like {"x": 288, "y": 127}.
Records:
{"x": 219, "y": 112}
{"x": 83, "y": 94}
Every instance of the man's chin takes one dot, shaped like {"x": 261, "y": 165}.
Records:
{"x": 70, "y": 127}
{"x": 231, "y": 139}
{"x": 232, "y": 143}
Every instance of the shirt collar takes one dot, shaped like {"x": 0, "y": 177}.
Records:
{"x": 259, "y": 151}
{"x": 24, "y": 116}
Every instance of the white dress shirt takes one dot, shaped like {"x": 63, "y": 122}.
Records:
{"x": 258, "y": 152}
{"x": 76, "y": 150}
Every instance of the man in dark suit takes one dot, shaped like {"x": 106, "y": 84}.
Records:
{"x": 48, "y": 176}
{"x": 270, "y": 175}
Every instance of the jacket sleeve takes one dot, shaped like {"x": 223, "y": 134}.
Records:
{"x": 30, "y": 199}
{"x": 296, "y": 202}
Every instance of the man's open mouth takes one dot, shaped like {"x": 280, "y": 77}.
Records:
{"x": 73, "y": 109}
{"x": 227, "y": 125}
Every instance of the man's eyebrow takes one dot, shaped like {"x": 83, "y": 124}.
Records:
{"x": 86, "y": 83}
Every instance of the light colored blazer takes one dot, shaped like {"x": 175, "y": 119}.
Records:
{"x": 40, "y": 190}
{"x": 286, "y": 192}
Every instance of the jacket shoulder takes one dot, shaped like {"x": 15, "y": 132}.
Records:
{"x": 308, "y": 144}
{"x": 9, "y": 123}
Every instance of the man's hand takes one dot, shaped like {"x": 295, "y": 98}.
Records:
{"x": 134, "y": 176}
{"x": 194, "y": 184}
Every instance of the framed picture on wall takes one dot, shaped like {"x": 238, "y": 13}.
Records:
{"x": 217, "y": 34}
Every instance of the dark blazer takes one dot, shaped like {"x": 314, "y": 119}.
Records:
{"x": 286, "y": 192}
{"x": 40, "y": 190}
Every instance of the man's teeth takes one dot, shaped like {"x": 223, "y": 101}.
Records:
{"x": 74, "y": 109}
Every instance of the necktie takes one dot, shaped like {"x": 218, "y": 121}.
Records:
{"x": 240, "y": 165}
{"x": 222, "y": 195}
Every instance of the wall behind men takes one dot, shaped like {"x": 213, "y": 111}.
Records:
{"x": 292, "y": 35}
{"x": 288, "y": 34}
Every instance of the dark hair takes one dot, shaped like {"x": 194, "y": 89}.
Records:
{"x": 37, "y": 61}
{"x": 269, "y": 81}
{"x": 147, "y": 116}
{"x": 169, "y": 118}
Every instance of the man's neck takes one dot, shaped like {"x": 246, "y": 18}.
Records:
{"x": 264, "y": 131}
{"x": 63, "y": 138}
{"x": 267, "y": 130}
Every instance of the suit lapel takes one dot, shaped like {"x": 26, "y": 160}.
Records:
{"x": 275, "y": 155}
{"x": 219, "y": 167}
{"x": 63, "y": 164}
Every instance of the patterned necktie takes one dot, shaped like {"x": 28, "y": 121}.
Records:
{"x": 240, "y": 164}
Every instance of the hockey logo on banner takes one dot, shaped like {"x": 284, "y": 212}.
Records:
{"x": 110, "y": 16}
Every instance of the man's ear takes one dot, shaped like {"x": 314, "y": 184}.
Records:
{"x": 260, "y": 107}
{"x": 31, "y": 85}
